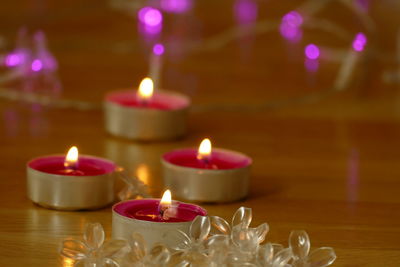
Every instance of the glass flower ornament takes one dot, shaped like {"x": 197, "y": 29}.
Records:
{"x": 139, "y": 256}
{"x": 244, "y": 241}
{"x": 299, "y": 243}
{"x": 191, "y": 250}
{"x": 93, "y": 251}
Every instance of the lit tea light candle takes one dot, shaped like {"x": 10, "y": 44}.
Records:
{"x": 207, "y": 174}
{"x": 147, "y": 114}
{"x": 153, "y": 218}
{"x": 72, "y": 182}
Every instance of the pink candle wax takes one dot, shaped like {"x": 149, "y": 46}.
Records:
{"x": 160, "y": 100}
{"x": 220, "y": 159}
{"x": 148, "y": 210}
{"x": 86, "y": 166}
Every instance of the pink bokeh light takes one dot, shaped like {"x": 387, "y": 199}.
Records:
{"x": 13, "y": 59}
{"x": 245, "y": 11}
{"x": 158, "y": 49}
{"x": 176, "y": 6}
{"x": 150, "y": 16}
{"x": 293, "y": 19}
{"x": 311, "y": 51}
{"x": 290, "y": 27}
{"x": 359, "y": 42}
{"x": 36, "y": 65}
{"x": 311, "y": 65}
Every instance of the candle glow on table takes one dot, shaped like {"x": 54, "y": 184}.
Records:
{"x": 206, "y": 174}
{"x": 153, "y": 218}
{"x": 71, "y": 182}
{"x": 146, "y": 114}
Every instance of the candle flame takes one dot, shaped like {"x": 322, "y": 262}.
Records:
{"x": 205, "y": 149}
{"x": 166, "y": 199}
{"x": 145, "y": 91}
{"x": 72, "y": 158}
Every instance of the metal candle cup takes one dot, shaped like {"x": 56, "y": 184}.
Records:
{"x": 126, "y": 220}
{"x": 92, "y": 187}
{"x": 163, "y": 118}
{"x": 188, "y": 179}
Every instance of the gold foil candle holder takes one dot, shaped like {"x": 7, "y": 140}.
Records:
{"x": 161, "y": 118}
{"x": 130, "y": 216}
{"x": 89, "y": 187}
{"x": 224, "y": 178}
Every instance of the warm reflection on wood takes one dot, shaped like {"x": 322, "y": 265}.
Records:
{"x": 142, "y": 173}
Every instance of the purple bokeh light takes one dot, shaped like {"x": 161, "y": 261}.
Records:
{"x": 290, "y": 27}
{"x": 311, "y": 51}
{"x": 150, "y": 16}
{"x": 363, "y": 5}
{"x": 291, "y": 33}
{"x": 311, "y": 65}
{"x": 176, "y": 6}
{"x": 293, "y": 19}
{"x": 13, "y": 59}
{"x": 158, "y": 49}
{"x": 359, "y": 42}
{"x": 245, "y": 11}
{"x": 149, "y": 30}
{"x": 37, "y": 65}
{"x": 43, "y": 54}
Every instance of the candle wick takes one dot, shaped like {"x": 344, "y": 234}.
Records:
{"x": 70, "y": 167}
{"x": 145, "y": 103}
{"x": 161, "y": 210}
{"x": 206, "y": 161}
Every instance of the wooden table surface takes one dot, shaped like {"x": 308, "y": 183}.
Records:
{"x": 324, "y": 161}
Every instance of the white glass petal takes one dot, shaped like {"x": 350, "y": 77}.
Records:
{"x": 179, "y": 237}
{"x": 109, "y": 263}
{"x": 138, "y": 247}
{"x": 196, "y": 258}
{"x": 114, "y": 248}
{"x": 277, "y": 247}
{"x": 299, "y": 242}
{"x": 321, "y": 257}
{"x": 89, "y": 262}
{"x": 282, "y": 257}
{"x": 219, "y": 226}
{"x": 218, "y": 241}
{"x": 262, "y": 231}
{"x": 242, "y": 216}
{"x": 218, "y": 248}
{"x": 177, "y": 260}
{"x": 246, "y": 264}
{"x": 94, "y": 235}
{"x": 73, "y": 249}
{"x": 159, "y": 254}
{"x": 245, "y": 239}
{"x": 200, "y": 228}
{"x": 266, "y": 254}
